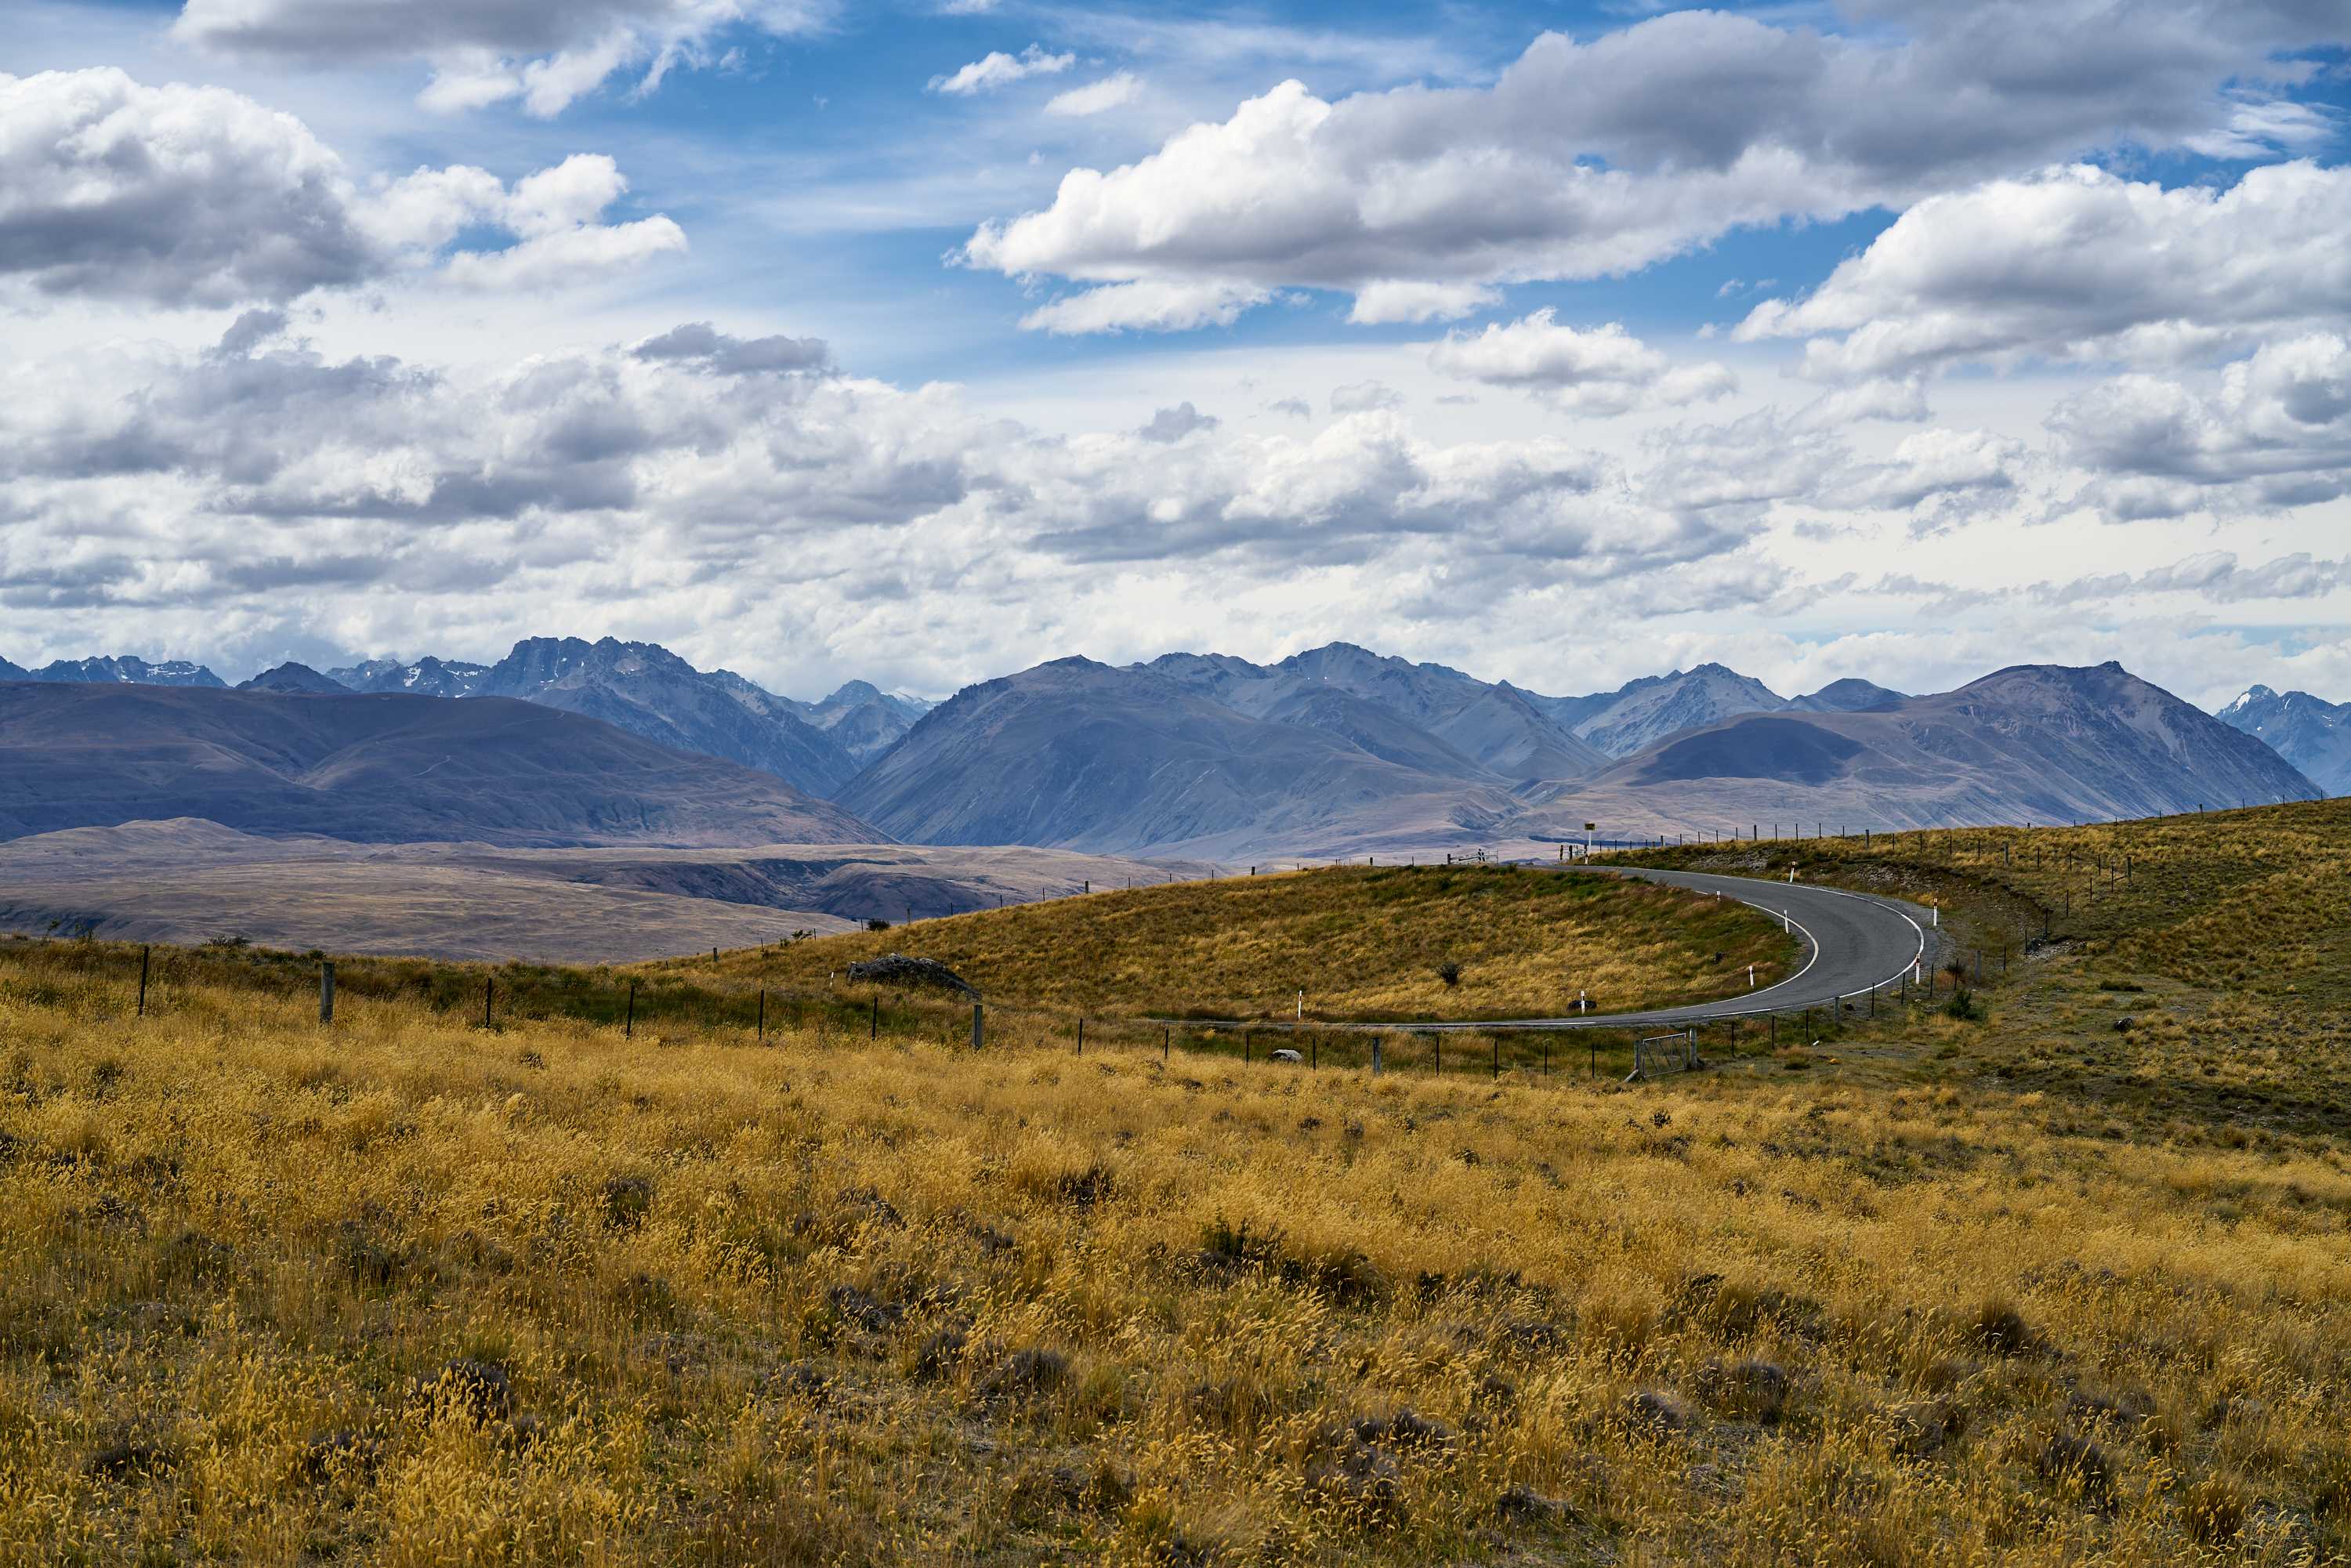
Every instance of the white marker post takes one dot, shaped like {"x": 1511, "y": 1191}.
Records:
{"x": 1785, "y": 926}
{"x": 1751, "y": 976}
{"x": 1301, "y": 1006}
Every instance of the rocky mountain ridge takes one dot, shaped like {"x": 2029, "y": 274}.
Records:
{"x": 2310, "y": 732}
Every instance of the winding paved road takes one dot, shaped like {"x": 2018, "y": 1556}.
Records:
{"x": 1852, "y": 941}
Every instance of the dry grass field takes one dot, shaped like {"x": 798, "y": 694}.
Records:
{"x": 1360, "y": 942}
{"x": 2025, "y": 1288}
{"x": 190, "y": 881}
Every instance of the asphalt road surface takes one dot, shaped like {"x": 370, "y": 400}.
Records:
{"x": 1852, "y": 941}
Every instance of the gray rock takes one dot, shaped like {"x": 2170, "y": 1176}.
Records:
{"x": 898, "y": 969}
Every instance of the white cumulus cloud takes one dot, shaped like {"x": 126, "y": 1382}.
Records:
{"x": 1591, "y": 158}
{"x": 2077, "y": 263}
{"x": 188, "y": 197}
{"x": 1601, "y": 369}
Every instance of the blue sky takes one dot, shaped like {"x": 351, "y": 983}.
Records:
{"x": 1779, "y": 335}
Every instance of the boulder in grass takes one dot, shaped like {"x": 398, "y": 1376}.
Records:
{"x": 898, "y": 969}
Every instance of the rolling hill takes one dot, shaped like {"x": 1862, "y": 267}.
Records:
{"x": 377, "y": 769}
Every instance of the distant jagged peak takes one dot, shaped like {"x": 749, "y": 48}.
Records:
{"x": 128, "y": 669}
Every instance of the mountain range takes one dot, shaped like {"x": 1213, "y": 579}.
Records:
{"x": 1339, "y": 751}
{"x": 641, "y": 687}
{"x": 118, "y": 671}
{"x": 647, "y": 690}
{"x": 2312, "y": 734}
{"x": 2033, "y": 742}
{"x": 384, "y": 769}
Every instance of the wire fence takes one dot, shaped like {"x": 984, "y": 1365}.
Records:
{"x": 666, "y": 1009}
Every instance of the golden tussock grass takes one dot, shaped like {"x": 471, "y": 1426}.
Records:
{"x": 1360, "y": 942}
{"x": 404, "y": 1290}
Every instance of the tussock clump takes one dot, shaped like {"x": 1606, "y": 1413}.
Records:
{"x": 1999, "y": 1328}
{"x": 2216, "y": 1510}
{"x": 1041, "y": 1492}
{"x": 130, "y": 1461}
{"x": 861, "y": 1310}
{"x": 938, "y": 1356}
{"x": 1735, "y": 1312}
{"x": 1754, "y": 1391}
{"x": 626, "y": 1200}
{"x": 367, "y": 1259}
{"x": 194, "y": 1257}
{"x": 1023, "y": 1375}
{"x": 341, "y": 1454}
{"x": 2127, "y": 1410}
{"x": 1078, "y": 1189}
{"x": 1646, "y": 1413}
{"x": 1524, "y": 1505}
{"x": 1924, "y": 1428}
{"x": 477, "y": 1390}
{"x": 2075, "y": 1465}
{"x": 1360, "y": 1466}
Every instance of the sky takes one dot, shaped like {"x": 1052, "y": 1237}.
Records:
{"x": 923, "y": 342}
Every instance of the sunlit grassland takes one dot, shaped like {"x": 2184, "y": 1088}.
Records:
{"x": 1358, "y": 942}
{"x": 2193, "y": 970}
{"x": 406, "y": 1290}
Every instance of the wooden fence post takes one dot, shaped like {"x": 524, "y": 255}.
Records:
{"x": 143, "y": 952}
{"x": 629, "y": 1028}
{"x": 763, "y": 1015}
{"x": 326, "y": 991}
{"x": 489, "y": 990}
{"x": 977, "y": 1035}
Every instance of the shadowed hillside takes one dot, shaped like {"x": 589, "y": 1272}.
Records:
{"x": 376, "y": 768}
